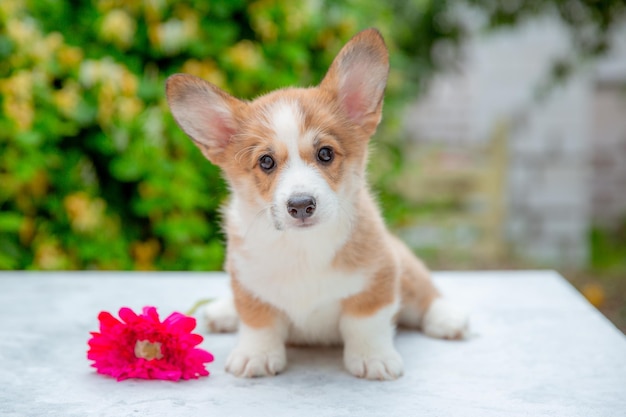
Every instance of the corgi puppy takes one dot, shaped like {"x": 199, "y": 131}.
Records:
{"x": 309, "y": 257}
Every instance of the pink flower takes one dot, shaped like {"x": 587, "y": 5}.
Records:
{"x": 141, "y": 346}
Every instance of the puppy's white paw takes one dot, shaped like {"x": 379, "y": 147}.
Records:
{"x": 368, "y": 345}
{"x": 445, "y": 321}
{"x": 383, "y": 365}
{"x": 259, "y": 351}
{"x": 246, "y": 362}
{"x": 221, "y": 316}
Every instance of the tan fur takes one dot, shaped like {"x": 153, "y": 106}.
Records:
{"x": 367, "y": 249}
{"x": 381, "y": 292}
{"x": 396, "y": 266}
{"x": 252, "y": 311}
{"x": 416, "y": 288}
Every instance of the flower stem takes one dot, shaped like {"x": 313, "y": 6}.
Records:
{"x": 198, "y": 304}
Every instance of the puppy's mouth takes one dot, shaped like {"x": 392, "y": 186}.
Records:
{"x": 303, "y": 223}
{"x": 294, "y": 224}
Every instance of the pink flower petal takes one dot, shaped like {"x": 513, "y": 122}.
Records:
{"x": 107, "y": 320}
{"x": 113, "y": 349}
{"x": 195, "y": 339}
{"x": 180, "y": 322}
{"x": 151, "y": 313}
{"x": 127, "y": 315}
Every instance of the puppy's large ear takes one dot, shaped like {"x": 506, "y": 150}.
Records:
{"x": 357, "y": 78}
{"x": 204, "y": 112}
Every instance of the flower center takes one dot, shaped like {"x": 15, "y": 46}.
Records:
{"x": 148, "y": 350}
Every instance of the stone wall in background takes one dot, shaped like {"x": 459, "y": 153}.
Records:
{"x": 609, "y": 154}
{"x": 566, "y": 167}
{"x": 549, "y": 193}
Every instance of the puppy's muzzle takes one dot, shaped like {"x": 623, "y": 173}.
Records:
{"x": 301, "y": 206}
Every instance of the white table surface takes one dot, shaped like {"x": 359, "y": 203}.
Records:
{"x": 538, "y": 349}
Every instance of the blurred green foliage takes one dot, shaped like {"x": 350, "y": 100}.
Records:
{"x": 608, "y": 249}
{"x": 94, "y": 173}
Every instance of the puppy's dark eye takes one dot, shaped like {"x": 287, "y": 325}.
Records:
{"x": 267, "y": 163}
{"x": 325, "y": 155}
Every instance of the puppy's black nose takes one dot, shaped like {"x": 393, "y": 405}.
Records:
{"x": 301, "y": 206}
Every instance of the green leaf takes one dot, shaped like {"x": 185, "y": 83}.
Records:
{"x": 10, "y": 222}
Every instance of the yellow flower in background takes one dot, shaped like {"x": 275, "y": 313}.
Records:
{"x": 144, "y": 254}
{"x": 170, "y": 36}
{"x": 23, "y": 32}
{"x": 106, "y": 101}
{"x": 245, "y": 55}
{"x": 297, "y": 16}
{"x": 129, "y": 83}
{"x": 326, "y": 38}
{"x": 128, "y": 108}
{"x": 85, "y": 214}
{"x": 31, "y": 45}
{"x": 117, "y": 92}
{"x": 153, "y": 127}
{"x": 42, "y": 49}
{"x": 265, "y": 27}
{"x": 27, "y": 231}
{"x": 112, "y": 73}
{"x": 133, "y": 6}
{"x": 262, "y": 22}
{"x": 38, "y": 185}
{"x": 153, "y": 34}
{"x": 118, "y": 28}
{"x": 153, "y": 9}
{"x": 54, "y": 41}
{"x": 21, "y": 112}
{"x": 9, "y": 8}
{"x": 348, "y": 26}
{"x": 49, "y": 256}
{"x": 18, "y": 99}
{"x": 20, "y": 85}
{"x": 69, "y": 56}
{"x": 174, "y": 35}
{"x": 106, "y": 5}
{"x": 206, "y": 69}
{"x": 67, "y": 98}
{"x": 89, "y": 73}
{"x": 104, "y": 71}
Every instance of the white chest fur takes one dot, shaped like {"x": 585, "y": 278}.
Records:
{"x": 293, "y": 271}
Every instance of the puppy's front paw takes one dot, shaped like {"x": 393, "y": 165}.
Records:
{"x": 382, "y": 365}
{"x": 221, "y": 316}
{"x": 250, "y": 363}
{"x": 444, "y": 321}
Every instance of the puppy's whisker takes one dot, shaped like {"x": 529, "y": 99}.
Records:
{"x": 349, "y": 216}
{"x": 256, "y": 218}
{"x": 244, "y": 152}
{"x": 248, "y": 149}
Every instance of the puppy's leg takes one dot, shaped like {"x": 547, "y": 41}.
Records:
{"x": 422, "y": 304}
{"x": 444, "y": 321}
{"x": 221, "y": 316}
{"x": 368, "y": 345}
{"x": 260, "y": 350}
{"x": 367, "y": 327}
